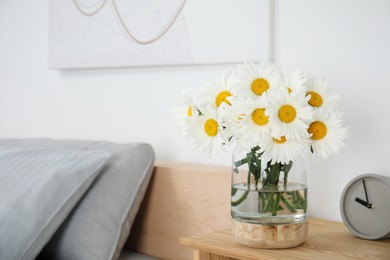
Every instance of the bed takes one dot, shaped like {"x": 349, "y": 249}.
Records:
{"x": 70, "y": 199}
{"x": 127, "y": 205}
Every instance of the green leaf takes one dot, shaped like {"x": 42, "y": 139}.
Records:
{"x": 238, "y": 164}
{"x": 273, "y": 176}
{"x": 258, "y": 173}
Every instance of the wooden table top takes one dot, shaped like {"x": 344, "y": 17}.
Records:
{"x": 325, "y": 240}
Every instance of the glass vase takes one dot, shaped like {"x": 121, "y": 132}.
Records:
{"x": 269, "y": 201}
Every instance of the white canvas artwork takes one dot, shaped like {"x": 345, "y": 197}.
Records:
{"x": 110, "y": 33}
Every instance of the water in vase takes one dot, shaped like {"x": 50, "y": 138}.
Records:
{"x": 278, "y": 205}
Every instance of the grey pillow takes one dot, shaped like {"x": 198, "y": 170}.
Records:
{"x": 99, "y": 226}
{"x": 127, "y": 255}
{"x": 38, "y": 189}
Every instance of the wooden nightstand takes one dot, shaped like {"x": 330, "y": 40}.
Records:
{"x": 326, "y": 240}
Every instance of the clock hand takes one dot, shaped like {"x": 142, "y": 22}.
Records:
{"x": 365, "y": 190}
{"x": 364, "y": 203}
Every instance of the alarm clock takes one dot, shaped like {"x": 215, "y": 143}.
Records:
{"x": 365, "y": 206}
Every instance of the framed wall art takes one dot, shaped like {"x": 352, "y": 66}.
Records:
{"x": 122, "y": 33}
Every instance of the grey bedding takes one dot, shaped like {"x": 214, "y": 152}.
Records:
{"x": 126, "y": 255}
{"x": 99, "y": 225}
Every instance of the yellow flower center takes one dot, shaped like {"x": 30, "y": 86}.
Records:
{"x": 222, "y": 98}
{"x": 211, "y": 127}
{"x": 315, "y": 99}
{"x": 189, "y": 112}
{"x": 259, "y": 117}
{"x": 281, "y": 140}
{"x": 318, "y": 129}
{"x": 287, "y": 113}
{"x": 289, "y": 90}
{"x": 259, "y": 86}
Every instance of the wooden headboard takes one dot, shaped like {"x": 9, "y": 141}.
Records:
{"x": 182, "y": 200}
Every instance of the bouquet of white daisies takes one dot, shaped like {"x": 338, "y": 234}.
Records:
{"x": 275, "y": 116}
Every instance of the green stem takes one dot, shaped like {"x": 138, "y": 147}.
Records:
{"x": 285, "y": 179}
{"x": 276, "y": 205}
{"x": 241, "y": 199}
{"x": 268, "y": 198}
{"x": 301, "y": 201}
{"x": 234, "y": 191}
{"x": 288, "y": 205}
{"x": 249, "y": 180}
{"x": 295, "y": 197}
{"x": 261, "y": 196}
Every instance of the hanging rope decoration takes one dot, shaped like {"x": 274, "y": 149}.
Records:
{"x": 160, "y": 34}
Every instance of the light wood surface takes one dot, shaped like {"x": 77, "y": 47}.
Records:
{"x": 269, "y": 236}
{"x": 182, "y": 200}
{"x": 326, "y": 240}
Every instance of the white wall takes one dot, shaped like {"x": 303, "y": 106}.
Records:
{"x": 345, "y": 41}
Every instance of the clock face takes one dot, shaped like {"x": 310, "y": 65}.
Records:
{"x": 365, "y": 206}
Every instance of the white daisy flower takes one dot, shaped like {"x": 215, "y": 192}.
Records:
{"x": 327, "y": 133}
{"x": 294, "y": 82}
{"x": 230, "y": 119}
{"x": 184, "y": 109}
{"x": 254, "y": 123}
{"x": 204, "y": 130}
{"x": 290, "y": 113}
{"x": 283, "y": 150}
{"x": 216, "y": 93}
{"x": 320, "y": 96}
{"x": 252, "y": 81}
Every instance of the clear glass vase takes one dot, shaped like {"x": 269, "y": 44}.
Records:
{"x": 268, "y": 196}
